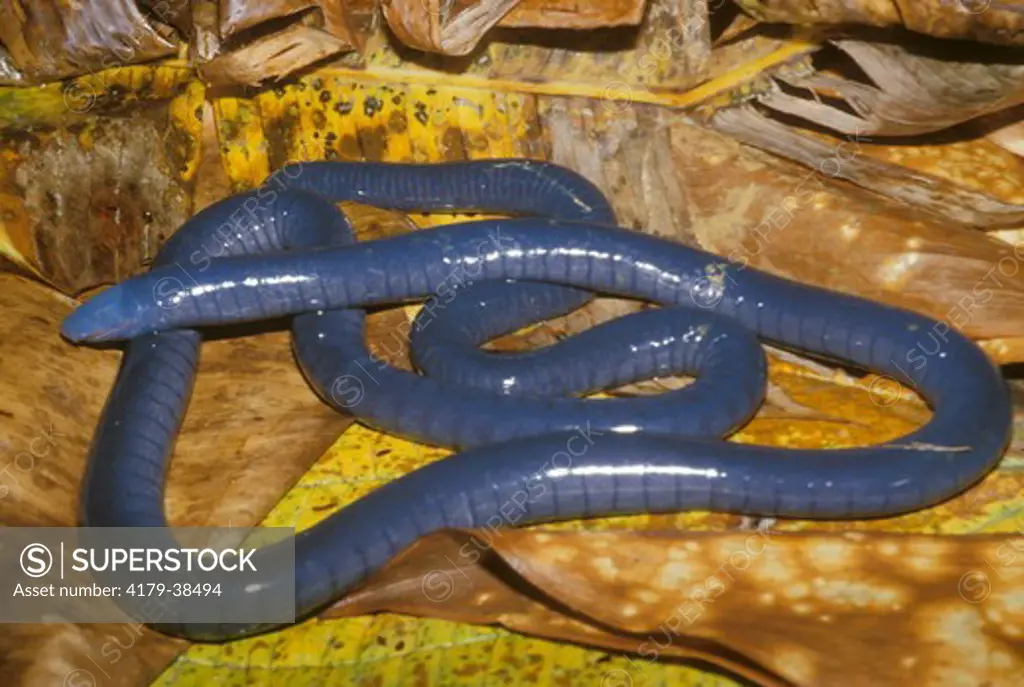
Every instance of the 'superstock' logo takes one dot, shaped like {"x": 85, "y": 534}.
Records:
{"x": 36, "y": 560}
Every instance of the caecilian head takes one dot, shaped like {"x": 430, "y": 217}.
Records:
{"x": 118, "y": 313}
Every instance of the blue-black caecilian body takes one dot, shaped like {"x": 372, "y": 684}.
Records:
{"x": 293, "y": 254}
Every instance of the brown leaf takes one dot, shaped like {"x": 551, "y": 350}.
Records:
{"x": 66, "y": 655}
{"x": 456, "y": 27}
{"x": 254, "y": 427}
{"x": 92, "y": 207}
{"x": 243, "y": 15}
{"x": 372, "y": 224}
{"x": 171, "y": 12}
{"x": 670, "y": 51}
{"x": 458, "y": 576}
{"x": 243, "y": 383}
{"x": 1005, "y": 351}
{"x": 214, "y": 182}
{"x": 272, "y": 57}
{"x": 246, "y": 44}
{"x": 802, "y": 225}
{"x": 1000, "y": 21}
{"x": 47, "y": 40}
{"x": 570, "y": 14}
{"x": 69, "y": 386}
{"x": 449, "y": 27}
{"x": 916, "y": 89}
{"x": 871, "y": 170}
{"x": 1011, "y": 136}
{"x": 765, "y": 605}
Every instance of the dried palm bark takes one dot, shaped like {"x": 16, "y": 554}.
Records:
{"x": 999, "y": 21}
{"x": 48, "y": 40}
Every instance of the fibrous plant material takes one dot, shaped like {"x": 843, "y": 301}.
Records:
{"x": 990, "y": 21}
{"x": 911, "y": 92}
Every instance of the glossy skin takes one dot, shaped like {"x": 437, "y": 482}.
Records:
{"x": 530, "y": 458}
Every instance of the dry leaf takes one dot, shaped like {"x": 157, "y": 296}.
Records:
{"x": 273, "y": 57}
{"x": 571, "y": 14}
{"x": 66, "y": 655}
{"x": 914, "y": 90}
{"x": 244, "y": 15}
{"x": 47, "y": 40}
{"x": 463, "y": 576}
{"x": 1005, "y": 351}
{"x": 455, "y": 27}
{"x": 773, "y": 607}
{"x": 90, "y": 208}
{"x": 450, "y": 27}
{"x": 214, "y": 181}
{"x": 800, "y": 224}
{"x": 243, "y": 383}
{"x": 252, "y": 42}
{"x": 1011, "y": 136}
{"x": 171, "y": 12}
{"x": 224, "y": 471}
{"x": 866, "y": 166}
{"x": 992, "y": 21}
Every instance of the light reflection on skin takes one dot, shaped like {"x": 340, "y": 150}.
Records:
{"x": 577, "y": 252}
{"x": 252, "y": 282}
{"x": 638, "y": 470}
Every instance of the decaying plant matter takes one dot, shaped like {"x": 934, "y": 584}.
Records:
{"x": 455, "y": 27}
{"x": 247, "y": 42}
{"x": 989, "y": 21}
{"x": 49, "y": 40}
{"x": 911, "y": 92}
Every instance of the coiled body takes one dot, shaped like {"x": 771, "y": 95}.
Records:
{"x": 291, "y": 253}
